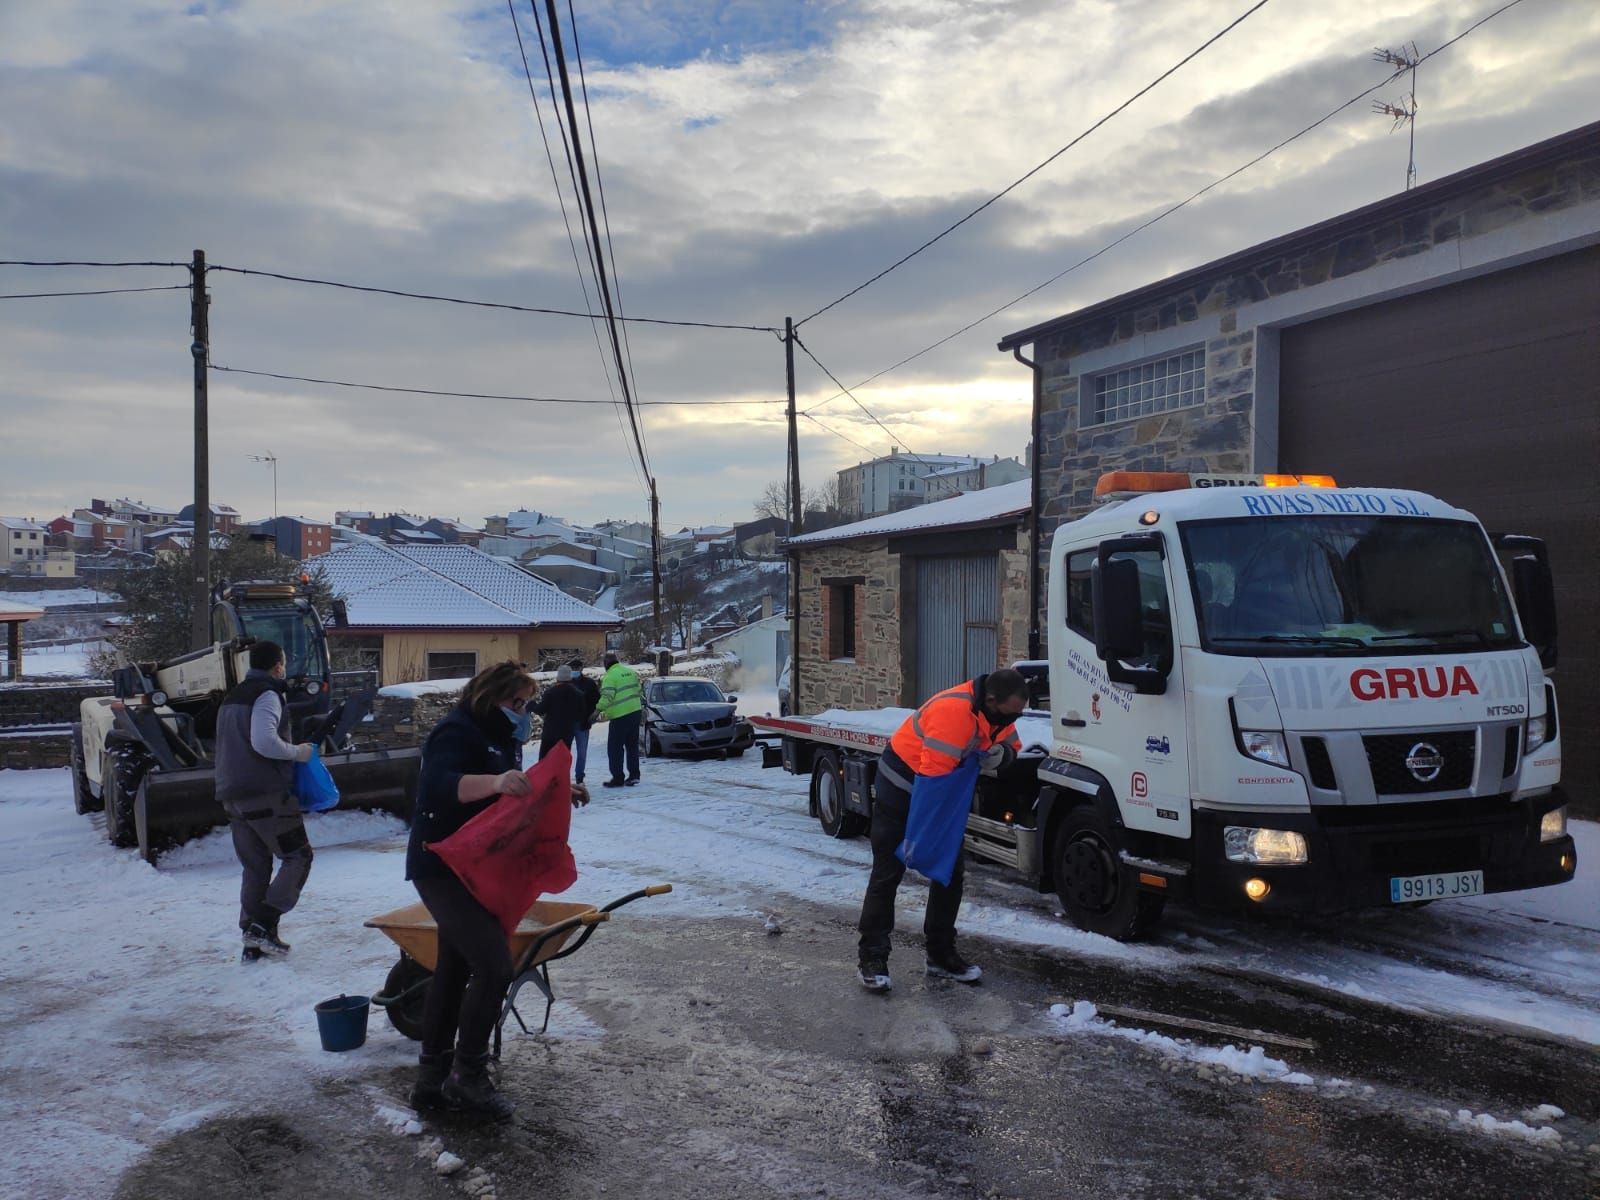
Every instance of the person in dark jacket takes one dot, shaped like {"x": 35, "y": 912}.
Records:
{"x": 563, "y": 708}
{"x": 471, "y": 759}
{"x": 255, "y": 772}
{"x": 590, "y": 691}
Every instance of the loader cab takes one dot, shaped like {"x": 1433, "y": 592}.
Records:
{"x": 277, "y": 612}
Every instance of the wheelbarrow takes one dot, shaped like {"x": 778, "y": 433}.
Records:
{"x": 550, "y": 930}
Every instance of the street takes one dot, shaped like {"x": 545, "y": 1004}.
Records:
{"x": 693, "y": 1052}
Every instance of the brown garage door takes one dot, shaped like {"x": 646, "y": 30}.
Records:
{"x": 1487, "y": 395}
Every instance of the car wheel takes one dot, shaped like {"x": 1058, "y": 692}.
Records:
{"x": 737, "y": 752}
{"x": 827, "y": 799}
{"x": 649, "y": 744}
{"x": 1097, "y": 889}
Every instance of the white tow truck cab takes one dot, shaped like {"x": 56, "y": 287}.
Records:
{"x": 1276, "y": 693}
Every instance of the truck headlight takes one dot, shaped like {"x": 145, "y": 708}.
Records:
{"x": 1265, "y": 746}
{"x": 1553, "y": 825}
{"x": 1534, "y": 738}
{"x": 1264, "y": 847}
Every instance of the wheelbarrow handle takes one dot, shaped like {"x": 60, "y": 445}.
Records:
{"x": 655, "y": 889}
{"x": 585, "y": 921}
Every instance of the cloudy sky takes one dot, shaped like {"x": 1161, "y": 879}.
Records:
{"x": 759, "y": 159}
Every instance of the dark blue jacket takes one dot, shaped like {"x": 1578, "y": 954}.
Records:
{"x": 459, "y": 745}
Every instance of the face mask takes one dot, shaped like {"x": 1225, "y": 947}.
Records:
{"x": 521, "y": 722}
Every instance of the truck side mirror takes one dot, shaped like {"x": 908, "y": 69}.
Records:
{"x": 1536, "y": 605}
{"x": 1119, "y": 613}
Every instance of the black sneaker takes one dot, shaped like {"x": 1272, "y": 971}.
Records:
{"x": 264, "y": 941}
{"x": 631, "y": 780}
{"x": 948, "y": 964}
{"x": 469, "y": 1088}
{"x": 874, "y": 974}
{"x": 613, "y": 783}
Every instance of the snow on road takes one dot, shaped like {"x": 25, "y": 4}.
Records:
{"x": 130, "y": 1015}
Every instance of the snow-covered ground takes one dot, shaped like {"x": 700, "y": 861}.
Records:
{"x": 58, "y": 597}
{"x": 60, "y": 662}
{"x": 129, "y": 1015}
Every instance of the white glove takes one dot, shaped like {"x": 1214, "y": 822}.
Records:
{"x": 999, "y": 756}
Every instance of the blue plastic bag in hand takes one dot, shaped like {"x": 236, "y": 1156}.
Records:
{"x": 937, "y": 821}
{"x": 314, "y": 786}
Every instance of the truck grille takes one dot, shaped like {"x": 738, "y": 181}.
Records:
{"x": 1387, "y": 754}
{"x": 1318, "y": 765}
{"x": 1513, "y": 745}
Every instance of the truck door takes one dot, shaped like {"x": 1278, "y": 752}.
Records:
{"x": 1137, "y": 741}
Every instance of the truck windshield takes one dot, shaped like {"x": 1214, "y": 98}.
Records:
{"x": 295, "y": 630}
{"x": 1330, "y": 585}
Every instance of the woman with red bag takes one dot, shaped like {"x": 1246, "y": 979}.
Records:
{"x": 471, "y": 759}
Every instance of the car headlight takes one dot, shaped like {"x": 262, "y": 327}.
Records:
{"x": 668, "y": 727}
{"x": 1265, "y": 847}
{"x": 1553, "y": 824}
{"x": 1534, "y": 738}
{"x": 1265, "y": 746}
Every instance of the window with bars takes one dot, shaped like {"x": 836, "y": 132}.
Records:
{"x": 1177, "y": 381}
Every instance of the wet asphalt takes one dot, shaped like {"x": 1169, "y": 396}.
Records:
{"x": 727, "y": 1062}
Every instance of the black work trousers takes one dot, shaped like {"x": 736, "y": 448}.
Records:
{"x": 622, "y": 743}
{"x": 473, "y": 973}
{"x": 889, "y": 810}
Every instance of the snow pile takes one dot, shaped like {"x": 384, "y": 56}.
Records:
{"x": 1545, "y": 1112}
{"x": 1254, "y": 1063}
{"x": 1484, "y": 1123}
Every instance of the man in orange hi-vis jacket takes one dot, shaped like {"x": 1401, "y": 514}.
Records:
{"x": 976, "y": 717}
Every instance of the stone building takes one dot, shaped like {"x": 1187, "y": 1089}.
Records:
{"x": 894, "y": 608}
{"x": 1445, "y": 339}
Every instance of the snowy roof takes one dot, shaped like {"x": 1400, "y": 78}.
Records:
{"x": 448, "y": 586}
{"x": 991, "y": 504}
{"x": 561, "y": 560}
{"x": 924, "y": 459}
{"x": 20, "y": 523}
{"x": 12, "y": 611}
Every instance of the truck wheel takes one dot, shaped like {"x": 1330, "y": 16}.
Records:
{"x": 406, "y": 1016}
{"x": 83, "y": 799}
{"x": 121, "y": 772}
{"x": 827, "y": 798}
{"x": 1098, "y": 890}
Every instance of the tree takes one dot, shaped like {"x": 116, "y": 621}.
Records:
{"x": 680, "y": 602}
{"x": 160, "y": 597}
{"x": 774, "y": 501}
{"x": 824, "y": 497}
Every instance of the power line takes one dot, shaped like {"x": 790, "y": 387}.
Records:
{"x": 561, "y": 200}
{"x": 379, "y": 387}
{"x": 13, "y": 262}
{"x": 1164, "y": 214}
{"x": 836, "y": 433}
{"x": 357, "y": 287}
{"x": 175, "y": 287}
{"x": 893, "y": 441}
{"x": 1193, "y": 54}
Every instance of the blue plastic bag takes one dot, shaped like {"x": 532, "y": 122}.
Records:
{"x": 314, "y": 786}
{"x": 937, "y": 821}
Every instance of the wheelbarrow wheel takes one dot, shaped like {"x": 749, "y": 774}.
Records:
{"x": 406, "y": 1015}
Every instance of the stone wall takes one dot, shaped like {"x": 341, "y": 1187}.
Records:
{"x": 1219, "y": 434}
{"x": 31, "y": 751}
{"x": 874, "y": 678}
{"x": 46, "y": 703}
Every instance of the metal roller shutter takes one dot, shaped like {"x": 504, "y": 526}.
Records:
{"x": 958, "y": 620}
{"x": 1486, "y": 394}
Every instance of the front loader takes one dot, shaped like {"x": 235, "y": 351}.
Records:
{"x": 145, "y": 753}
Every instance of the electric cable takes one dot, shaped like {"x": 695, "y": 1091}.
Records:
{"x": 1164, "y": 214}
{"x": 1159, "y": 79}
{"x": 174, "y": 287}
{"x": 17, "y": 262}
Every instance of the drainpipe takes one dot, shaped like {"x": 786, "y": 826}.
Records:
{"x": 1033, "y": 524}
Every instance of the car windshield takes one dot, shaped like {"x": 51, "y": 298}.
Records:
{"x": 685, "y": 691}
{"x": 1327, "y": 585}
{"x": 292, "y": 628}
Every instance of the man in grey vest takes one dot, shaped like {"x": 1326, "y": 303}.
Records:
{"x": 255, "y": 772}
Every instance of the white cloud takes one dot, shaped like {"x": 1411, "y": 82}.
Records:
{"x": 797, "y": 155}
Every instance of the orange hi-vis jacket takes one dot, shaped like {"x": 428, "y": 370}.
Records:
{"x": 947, "y": 728}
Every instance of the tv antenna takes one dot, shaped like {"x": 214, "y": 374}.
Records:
{"x": 1406, "y": 59}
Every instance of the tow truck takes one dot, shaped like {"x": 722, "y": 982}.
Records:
{"x": 1265, "y": 693}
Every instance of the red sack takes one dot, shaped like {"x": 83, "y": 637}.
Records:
{"x": 516, "y": 850}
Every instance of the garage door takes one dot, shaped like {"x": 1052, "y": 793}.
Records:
{"x": 1487, "y": 395}
{"x": 958, "y": 620}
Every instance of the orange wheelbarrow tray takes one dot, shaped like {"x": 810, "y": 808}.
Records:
{"x": 551, "y": 929}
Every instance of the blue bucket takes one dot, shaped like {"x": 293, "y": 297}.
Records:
{"x": 342, "y": 1022}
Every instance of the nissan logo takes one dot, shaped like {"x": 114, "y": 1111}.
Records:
{"x": 1424, "y": 762}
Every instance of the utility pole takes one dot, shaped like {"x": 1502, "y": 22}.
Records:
{"x": 200, "y": 553}
{"x": 796, "y": 518}
{"x": 655, "y": 555}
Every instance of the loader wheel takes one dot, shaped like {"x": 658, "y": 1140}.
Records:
{"x": 406, "y": 1015}
{"x": 83, "y": 799}
{"x": 1098, "y": 890}
{"x": 827, "y": 798}
{"x": 121, "y": 772}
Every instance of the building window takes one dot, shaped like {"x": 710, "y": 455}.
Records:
{"x": 842, "y": 620}
{"x": 1178, "y": 381}
{"x": 452, "y": 664}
